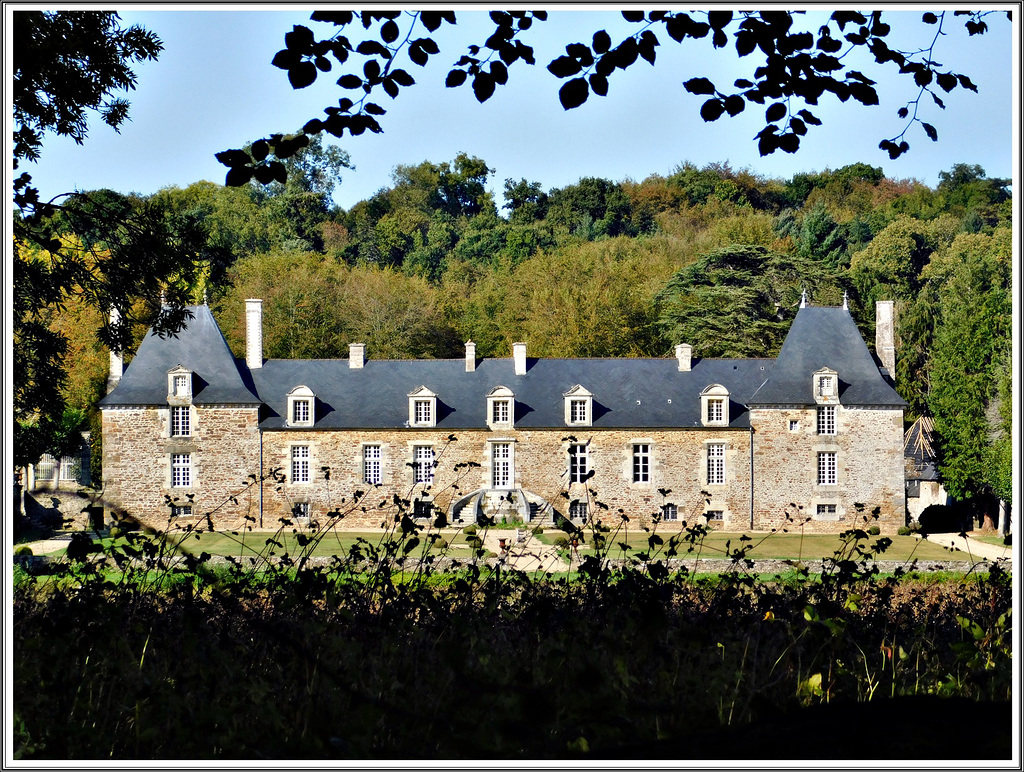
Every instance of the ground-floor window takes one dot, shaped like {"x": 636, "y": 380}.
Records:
{"x": 669, "y": 512}
{"x": 578, "y": 510}
{"x": 827, "y": 468}
{"x": 371, "y": 464}
{"x": 300, "y": 463}
{"x": 716, "y": 463}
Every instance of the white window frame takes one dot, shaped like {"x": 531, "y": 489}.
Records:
{"x": 825, "y": 386}
{"x": 669, "y": 511}
{"x": 181, "y": 470}
{"x": 715, "y": 466}
{"x": 501, "y": 408}
{"x": 373, "y": 464}
{"x": 794, "y": 425}
{"x": 423, "y": 464}
{"x": 579, "y": 406}
{"x": 715, "y": 515}
{"x": 301, "y": 407}
{"x": 714, "y": 405}
{"x": 301, "y": 510}
{"x": 828, "y": 467}
{"x": 182, "y": 510}
{"x": 300, "y": 457}
{"x": 422, "y": 408}
{"x": 179, "y": 385}
{"x": 827, "y": 420}
{"x": 579, "y": 462}
{"x": 641, "y": 461}
{"x": 181, "y": 421}
{"x": 503, "y": 465}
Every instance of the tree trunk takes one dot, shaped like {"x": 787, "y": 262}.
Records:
{"x": 1004, "y": 517}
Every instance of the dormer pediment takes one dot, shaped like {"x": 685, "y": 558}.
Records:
{"x": 579, "y": 406}
{"x": 179, "y": 385}
{"x": 825, "y": 386}
{"x": 301, "y": 406}
{"x": 422, "y": 407}
{"x": 714, "y": 405}
{"x": 500, "y": 408}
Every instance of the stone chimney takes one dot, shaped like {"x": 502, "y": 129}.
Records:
{"x": 470, "y": 356}
{"x": 885, "y": 335}
{"x": 116, "y": 361}
{"x": 254, "y": 333}
{"x": 684, "y": 354}
{"x": 356, "y": 355}
{"x": 519, "y": 357}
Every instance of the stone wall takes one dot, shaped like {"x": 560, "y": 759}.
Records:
{"x": 224, "y": 449}
{"x": 869, "y": 448}
{"x": 540, "y": 458}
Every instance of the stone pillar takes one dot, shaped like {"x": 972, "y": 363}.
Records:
{"x": 254, "y": 333}
{"x": 885, "y": 335}
{"x": 356, "y": 355}
{"x": 116, "y": 362}
{"x": 684, "y": 354}
{"x": 519, "y": 358}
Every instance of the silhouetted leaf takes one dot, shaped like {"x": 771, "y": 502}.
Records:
{"x": 573, "y": 93}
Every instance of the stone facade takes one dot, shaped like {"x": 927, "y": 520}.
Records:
{"x": 741, "y": 445}
{"x": 223, "y": 470}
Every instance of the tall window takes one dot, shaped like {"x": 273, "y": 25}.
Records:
{"x": 641, "y": 463}
{"x": 181, "y": 470}
{"x": 578, "y": 411}
{"x": 180, "y": 422}
{"x": 716, "y": 463}
{"x": 422, "y": 464}
{"x": 300, "y": 463}
{"x": 826, "y": 419}
{"x": 577, "y": 463}
{"x": 501, "y": 464}
{"x": 300, "y": 411}
{"x": 827, "y": 468}
{"x": 423, "y": 412}
{"x": 716, "y": 410}
{"x": 371, "y": 464}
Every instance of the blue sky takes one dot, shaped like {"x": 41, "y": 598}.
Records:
{"x": 214, "y": 88}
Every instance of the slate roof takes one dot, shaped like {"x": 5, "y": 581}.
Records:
{"x": 200, "y": 346}
{"x": 628, "y": 393}
{"x": 826, "y": 337}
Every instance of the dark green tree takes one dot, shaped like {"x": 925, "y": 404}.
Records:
{"x": 67, "y": 66}
{"x": 739, "y": 301}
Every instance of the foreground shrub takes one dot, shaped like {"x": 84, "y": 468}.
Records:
{"x": 376, "y": 655}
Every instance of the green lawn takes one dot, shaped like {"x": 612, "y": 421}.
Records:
{"x": 998, "y": 541}
{"x": 764, "y": 546}
{"x": 783, "y": 546}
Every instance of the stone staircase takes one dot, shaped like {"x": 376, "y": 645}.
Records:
{"x": 513, "y": 504}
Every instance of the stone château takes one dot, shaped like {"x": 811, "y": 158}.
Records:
{"x": 811, "y": 439}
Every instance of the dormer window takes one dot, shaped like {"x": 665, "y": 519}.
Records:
{"x": 422, "y": 407}
{"x": 179, "y": 385}
{"x": 500, "y": 408}
{"x": 826, "y": 386}
{"x": 579, "y": 404}
{"x": 714, "y": 405}
{"x": 301, "y": 403}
